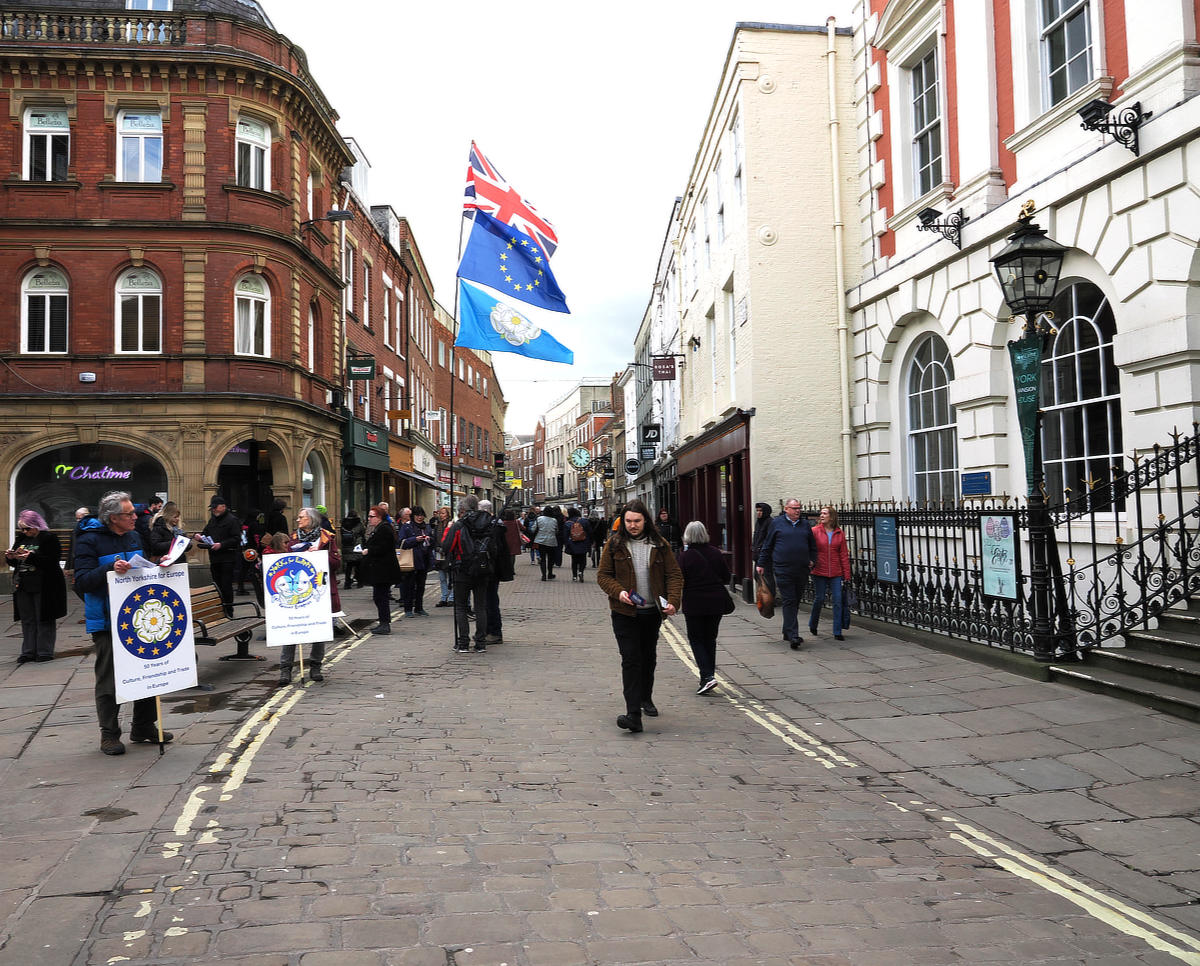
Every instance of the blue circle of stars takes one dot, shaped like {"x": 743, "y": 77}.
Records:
{"x": 133, "y": 603}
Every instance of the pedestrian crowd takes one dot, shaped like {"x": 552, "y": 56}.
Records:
{"x": 647, "y": 565}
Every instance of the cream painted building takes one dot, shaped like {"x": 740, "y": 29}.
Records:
{"x": 759, "y": 259}
{"x": 974, "y": 115}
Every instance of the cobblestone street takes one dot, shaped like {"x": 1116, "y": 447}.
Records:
{"x": 867, "y": 803}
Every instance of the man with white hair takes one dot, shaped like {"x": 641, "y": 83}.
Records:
{"x": 106, "y": 546}
{"x": 470, "y": 549}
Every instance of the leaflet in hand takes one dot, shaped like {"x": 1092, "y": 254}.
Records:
{"x": 138, "y": 562}
{"x": 178, "y": 546}
{"x": 205, "y": 540}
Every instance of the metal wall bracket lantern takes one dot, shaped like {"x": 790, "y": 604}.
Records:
{"x": 950, "y": 229}
{"x": 1098, "y": 115}
{"x": 694, "y": 343}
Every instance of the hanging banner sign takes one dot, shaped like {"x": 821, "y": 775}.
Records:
{"x": 153, "y": 649}
{"x": 998, "y": 554}
{"x": 663, "y": 368}
{"x": 296, "y": 593}
{"x": 1026, "y": 356}
{"x": 360, "y": 368}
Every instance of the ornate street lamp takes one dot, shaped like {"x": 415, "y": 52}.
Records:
{"x": 1028, "y": 268}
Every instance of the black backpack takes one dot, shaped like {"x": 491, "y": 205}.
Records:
{"x": 476, "y": 556}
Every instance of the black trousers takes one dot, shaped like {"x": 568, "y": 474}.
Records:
{"x": 702, "y": 632}
{"x": 381, "y": 594}
{"x": 222, "y": 576}
{"x": 547, "y": 560}
{"x": 412, "y": 590}
{"x": 578, "y": 564}
{"x": 144, "y": 715}
{"x": 466, "y": 590}
{"x": 637, "y": 640}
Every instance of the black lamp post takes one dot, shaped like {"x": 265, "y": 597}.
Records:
{"x": 1028, "y": 268}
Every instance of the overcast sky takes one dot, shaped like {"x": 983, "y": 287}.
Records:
{"x": 592, "y": 112}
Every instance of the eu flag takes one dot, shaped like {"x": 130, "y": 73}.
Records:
{"x": 486, "y": 322}
{"x": 503, "y": 258}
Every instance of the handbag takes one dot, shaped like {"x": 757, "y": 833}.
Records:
{"x": 729, "y": 606}
{"x": 764, "y": 598}
{"x": 849, "y": 599}
{"x": 406, "y": 559}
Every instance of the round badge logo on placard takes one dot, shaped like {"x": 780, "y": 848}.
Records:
{"x": 152, "y": 622}
{"x": 292, "y": 582}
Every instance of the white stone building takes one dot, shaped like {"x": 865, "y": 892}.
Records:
{"x": 973, "y": 107}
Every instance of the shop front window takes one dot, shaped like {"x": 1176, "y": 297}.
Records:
{"x": 57, "y": 481}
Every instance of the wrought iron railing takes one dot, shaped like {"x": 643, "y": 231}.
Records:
{"x": 1127, "y": 550}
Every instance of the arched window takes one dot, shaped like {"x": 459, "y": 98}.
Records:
{"x": 1081, "y": 431}
{"x": 139, "y": 311}
{"x": 312, "y": 479}
{"x": 253, "y": 154}
{"x": 44, "y": 295}
{"x": 932, "y": 427}
{"x": 252, "y": 316}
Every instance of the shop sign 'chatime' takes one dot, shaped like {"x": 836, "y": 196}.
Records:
{"x": 62, "y": 471}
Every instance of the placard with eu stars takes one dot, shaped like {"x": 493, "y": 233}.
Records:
{"x": 153, "y": 649}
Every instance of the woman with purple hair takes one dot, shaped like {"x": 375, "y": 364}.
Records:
{"x": 39, "y": 588}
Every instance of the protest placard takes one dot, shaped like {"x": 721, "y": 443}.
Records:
{"x": 153, "y": 649}
{"x": 297, "y": 597}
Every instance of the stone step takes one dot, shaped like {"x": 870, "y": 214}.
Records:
{"x": 1183, "y": 672}
{"x": 1168, "y": 698}
{"x": 1166, "y": 639}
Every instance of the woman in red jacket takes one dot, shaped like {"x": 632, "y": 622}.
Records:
{"x": 830, "y": 570}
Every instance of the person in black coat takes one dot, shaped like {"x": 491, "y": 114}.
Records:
{"x": 416, "y": 535}
{"x": 39, "y": 587}
{"x": 224, "y": 543}
{"x": 578, "y": 544}
{"x": 668, "y": 529}
{"x": 705, "y": 599}
{"x": 379, "y": 566}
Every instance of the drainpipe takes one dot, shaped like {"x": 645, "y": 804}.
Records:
{"x": 839, "y": 261}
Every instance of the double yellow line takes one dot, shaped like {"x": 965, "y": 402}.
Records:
{"x": 239, "y": 754}
{"x": 1107, "y": 909}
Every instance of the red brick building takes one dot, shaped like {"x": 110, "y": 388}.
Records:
{"x": 174, "y": 310}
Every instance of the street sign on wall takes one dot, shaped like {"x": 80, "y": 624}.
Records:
{"x": 632, "y": 467}
{"x": 663, "y": 368}
{"x": 652, "y": 433}
{"x": 646, "y": 453}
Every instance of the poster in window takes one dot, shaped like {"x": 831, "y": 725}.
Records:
{"x": 999, "y": 555}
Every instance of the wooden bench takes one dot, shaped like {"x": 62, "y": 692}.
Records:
{"x": 211, "y": 626}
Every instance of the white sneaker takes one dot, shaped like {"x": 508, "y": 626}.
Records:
{"x": 706, "y": 686}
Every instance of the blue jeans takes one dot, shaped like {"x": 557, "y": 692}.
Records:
{"x": 447, "y": 582}
{"x": 820, "y": 585}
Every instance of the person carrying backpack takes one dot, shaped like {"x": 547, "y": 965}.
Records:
{"x": 472, "y": 553}
{"x": 579, "y": 542}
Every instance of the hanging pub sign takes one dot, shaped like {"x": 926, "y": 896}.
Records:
{"x": 663, "y": 368}
{"x": 362, "y": 367}
{"x": 999, "y": 555}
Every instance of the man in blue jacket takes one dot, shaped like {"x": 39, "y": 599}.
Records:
{"x": 790, "y": 548}
{"x": 106, "y": 545}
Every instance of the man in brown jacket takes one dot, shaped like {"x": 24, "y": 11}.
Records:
{"x": 637, "y": 568}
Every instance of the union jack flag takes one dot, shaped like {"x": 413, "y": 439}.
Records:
{"x": 487, "y": 191}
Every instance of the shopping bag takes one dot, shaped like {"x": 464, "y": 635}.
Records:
{"x": 764, "y": 598}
